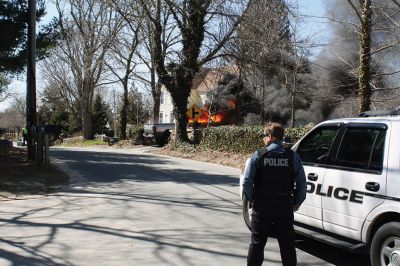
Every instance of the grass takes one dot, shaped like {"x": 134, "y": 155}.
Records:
{"x": 71, "y": 142}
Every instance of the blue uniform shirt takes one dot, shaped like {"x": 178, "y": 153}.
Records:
{"x": 300, "y": 177}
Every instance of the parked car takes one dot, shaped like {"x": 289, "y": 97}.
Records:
{"x": 352, "y": 167}
{"x": 159, "y": 132}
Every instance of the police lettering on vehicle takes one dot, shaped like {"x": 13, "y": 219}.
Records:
{"x": 339, "y": 193}
{"x": 281, "y": 162}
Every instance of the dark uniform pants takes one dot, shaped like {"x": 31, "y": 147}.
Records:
{"x": 262, "y": 225}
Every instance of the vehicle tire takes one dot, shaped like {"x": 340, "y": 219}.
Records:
{"x": 385, "y": 246}
{"x": 247, "y": 210}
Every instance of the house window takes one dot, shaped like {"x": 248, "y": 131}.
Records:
{"x": 160, "y": 117}
{"x": 171, "y": 117}
{"x": 162, "y": 98}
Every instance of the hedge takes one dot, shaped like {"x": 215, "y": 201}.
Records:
{"x": 243, "y": 139}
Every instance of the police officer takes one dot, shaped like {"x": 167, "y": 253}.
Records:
{"x": 269, "y": 182}
{"x": 24, "y": 135}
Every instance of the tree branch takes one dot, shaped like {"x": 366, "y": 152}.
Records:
{"x": 218, "y": 47}
{"x": 355, "y": 9}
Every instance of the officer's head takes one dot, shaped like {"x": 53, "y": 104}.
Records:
{"x": 272, "y": 132}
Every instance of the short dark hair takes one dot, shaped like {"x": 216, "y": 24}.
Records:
{"x": 275, "y": 130}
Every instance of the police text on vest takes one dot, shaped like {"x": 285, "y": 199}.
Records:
{"x": 276, "y": 162}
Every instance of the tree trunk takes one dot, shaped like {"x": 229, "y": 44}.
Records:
{"x": 86, "y": 121}
{"x": 156, "y": 93}
{"x": 263, "y": 114}
{"x": 293, "y": 117}
{"x": 365, "y": 57}
{"x": 181, "y": 117}
{"x": 124, "y": 108}
{"x": 292, "y": 100}
{"x": 156, "y": 97}
{"x": 183, "y": 80}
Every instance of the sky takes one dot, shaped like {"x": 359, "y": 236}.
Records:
{"x": 309, "y": 10}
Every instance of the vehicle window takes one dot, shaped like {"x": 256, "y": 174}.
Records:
{"x": 362, "y": 148}
{"x": 315, "y": 147}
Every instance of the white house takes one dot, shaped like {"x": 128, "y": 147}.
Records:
{"x": 166, "y": 114}
{"x": 205, "y": 80}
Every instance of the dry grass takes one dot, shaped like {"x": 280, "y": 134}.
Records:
{"x": 20, "y": 177}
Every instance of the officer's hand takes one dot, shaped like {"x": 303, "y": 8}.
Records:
{"x": 296, "y": 207}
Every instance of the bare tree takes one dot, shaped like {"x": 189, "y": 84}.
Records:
{"x": 89, "y": 29}
{"x": 204, "y": 27}
{"x": 122, "y": 61}
{"x": 59, "y": 87}
{"x": 4, "y": 89}
{"x": 364, "y": 75}
{"x": 145, "y": 50}
{"x": 169, "y": 39}
{"x": 376, "y": 24}
{"x": 14, "y": 117}
{"x": 299, "y": 67}
{"x": 273, "y": 58}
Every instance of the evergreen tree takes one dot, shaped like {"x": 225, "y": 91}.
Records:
{"x": 13, "y": 32}
{"x": 54, "y": 114}
{"x": 136, "y": 111}
{"x": 99, "y": 115}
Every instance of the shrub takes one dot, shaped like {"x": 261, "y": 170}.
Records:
{"x": 298, "y": 132}
{"x": 182, "y": 147}
{"x": 135, "y": 133}
{"x": 243, "y": 139}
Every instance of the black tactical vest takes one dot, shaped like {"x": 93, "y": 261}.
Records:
{"x": 275, "y": 173}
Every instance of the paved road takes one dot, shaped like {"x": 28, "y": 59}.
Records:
{"x": 133, "y": 208}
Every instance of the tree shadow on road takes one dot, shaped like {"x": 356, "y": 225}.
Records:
{"x": 108, "y": 167}
{"x": 103, "y": 190}
{"x": 20, "y": 251}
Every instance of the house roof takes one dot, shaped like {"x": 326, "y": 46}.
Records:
{"x": 207, "y": 78}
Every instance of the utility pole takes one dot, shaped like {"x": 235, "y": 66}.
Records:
{"x": 115, "y": 115}
{"x": 31, "y": 80}
{"x": 137, "y": 113}
{"x": 137, "y": 109}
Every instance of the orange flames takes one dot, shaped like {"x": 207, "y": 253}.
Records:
{"x": 205, "y": 117}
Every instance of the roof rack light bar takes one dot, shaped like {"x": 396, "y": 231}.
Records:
{"x": 380, "y": 113}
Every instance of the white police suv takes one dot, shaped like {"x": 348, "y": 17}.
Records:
{"x": 352, "y": 168}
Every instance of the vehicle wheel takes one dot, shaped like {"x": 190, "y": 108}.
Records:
{"x": 247, "y": 211}
{"x": 385, "y": 246}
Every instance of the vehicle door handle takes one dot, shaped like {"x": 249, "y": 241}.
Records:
{"x": 312, "y": 177}
{"x": 372, "y": 186}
